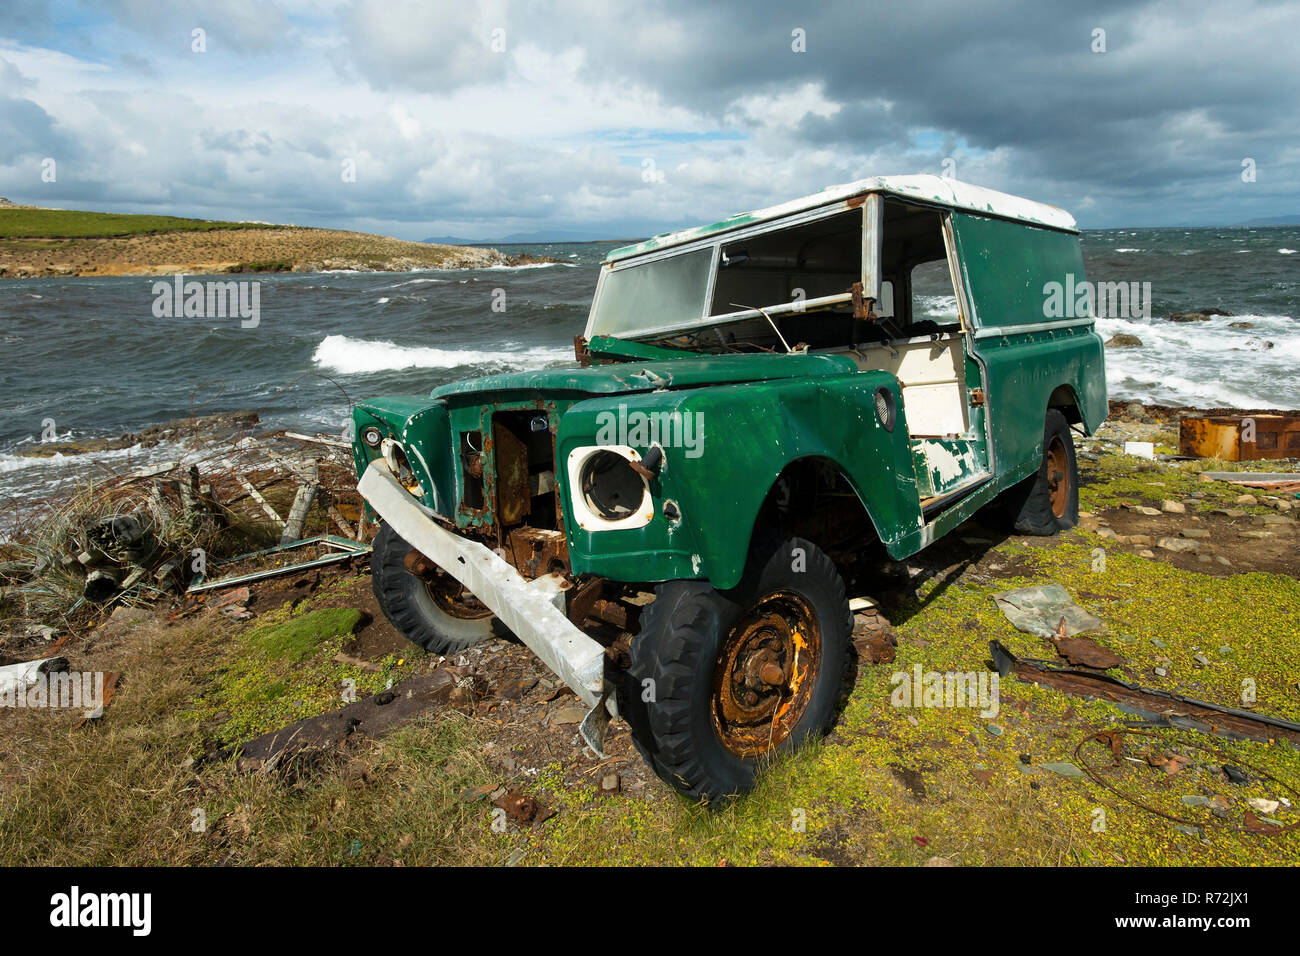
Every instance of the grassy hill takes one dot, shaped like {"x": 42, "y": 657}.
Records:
{"x": 25, "y": 222}
{"x": 37, "y": 242}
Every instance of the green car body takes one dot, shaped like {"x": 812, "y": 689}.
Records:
{"x": 755, "y": 405}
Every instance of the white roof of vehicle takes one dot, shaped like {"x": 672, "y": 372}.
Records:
{"x": 923, "y": 187}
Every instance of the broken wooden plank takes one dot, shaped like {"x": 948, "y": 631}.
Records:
{"x": 339, "y": 520}
{"x": 301, "y": 505}
{"x": 319, "y": 439}
{"x": 257, "y": 496}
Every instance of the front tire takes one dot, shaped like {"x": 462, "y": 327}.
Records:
{"x": 720, "y": 681}
{"x": 436, "y": 614}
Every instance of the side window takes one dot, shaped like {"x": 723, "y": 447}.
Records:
{"x": 933, "y": 297}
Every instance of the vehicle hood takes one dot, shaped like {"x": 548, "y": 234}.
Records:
{"x": 688, "y": 372}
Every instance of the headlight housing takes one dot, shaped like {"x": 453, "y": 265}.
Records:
{"x": 606, "y": 492}
{"x": 395, "y": 455}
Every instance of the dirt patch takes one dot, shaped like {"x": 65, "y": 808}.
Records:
{"x": 1209, "y": 543}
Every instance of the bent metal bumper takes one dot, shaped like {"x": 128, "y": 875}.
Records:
{"x": 532, "y": 610}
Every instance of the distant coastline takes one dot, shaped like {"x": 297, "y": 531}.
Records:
{"x": 36, "y": 243}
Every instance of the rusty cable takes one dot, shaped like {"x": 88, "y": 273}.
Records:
{"x": 1223, "y": 758}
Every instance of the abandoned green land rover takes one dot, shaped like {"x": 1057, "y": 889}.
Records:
{"x": 760, "y": 406}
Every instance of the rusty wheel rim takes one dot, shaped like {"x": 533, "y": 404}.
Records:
{"x": 454, "y": 598}
{"x": 1058, "y": 476}
{"x": 764, "y": 677}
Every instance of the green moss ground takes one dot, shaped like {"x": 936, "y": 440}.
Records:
{"x": 892, "y": 785}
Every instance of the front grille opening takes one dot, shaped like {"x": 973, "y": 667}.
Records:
{"x": 525, "y": 450}
{"x": 471, "y": 470}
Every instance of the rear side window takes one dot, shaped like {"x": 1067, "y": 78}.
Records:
{"x": 933, "y": 299}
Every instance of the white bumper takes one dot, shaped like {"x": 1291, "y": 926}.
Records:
{"x": 529, "y": 609}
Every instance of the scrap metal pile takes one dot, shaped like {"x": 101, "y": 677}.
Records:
{"x": 187, "y": 525}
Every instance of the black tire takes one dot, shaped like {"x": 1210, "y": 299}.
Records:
{"x": 684, "y": 631}
{"x": 408, "y": 604}
{"x": 1039, "y": 505}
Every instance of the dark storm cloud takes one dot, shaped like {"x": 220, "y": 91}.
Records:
{"x": 1182, "y": 93}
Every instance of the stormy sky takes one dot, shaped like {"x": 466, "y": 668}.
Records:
{"x": 621, "y": 119}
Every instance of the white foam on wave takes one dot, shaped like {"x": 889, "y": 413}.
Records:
{"x": 535, "y": 265}
{"x": 349, "y": 356}
{"x": 1128, "y": 250}
{"x": 1207, "y": 363}
{"x": 1286, "y": 252}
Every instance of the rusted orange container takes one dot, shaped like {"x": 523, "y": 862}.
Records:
{"x": 1240, "y": 437}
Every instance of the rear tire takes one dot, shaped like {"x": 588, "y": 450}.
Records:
{"x": 1048, "y": 502}
{"x": 734, "y": 677}
{"x": 426, "y": 614}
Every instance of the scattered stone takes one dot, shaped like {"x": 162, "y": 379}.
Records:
{"x": 994, "y": 729}
{"x": 1200, "y": 315}
{"x": 1223, "y": 560}
{"x": 1262, "y": 805}
{"x": 1245, "y": 500}
{"x": 1179, "y": 545}
{"x": 1228, "y": 512}
{"x": 1145, "y": 510}
{"x": 1201, "y": 659}
{"x": 1143, "y": 540}
{"x": 1257, "y": 535}
{"x": 1194, "y": 533}
{"x": 610, "y": 784}
{"x": 569, "y": 714}
{"x": 1161, "y": 672}
{"x": 1173, "y": 507}
{"x": 1196, "y": 800}
{"x": 1172, "y": 764}
{"x": 1272, "y": 520}
{"x": 1122, "y": 340}
{"x": 1065, "y": 769}
{"x": 1235, "y": 774}
{"x": 1146, "y": 553}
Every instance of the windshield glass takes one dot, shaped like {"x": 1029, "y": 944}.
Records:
{"x": 654, "y": 294}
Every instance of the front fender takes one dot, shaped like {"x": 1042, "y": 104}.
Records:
{"x": 733, "y": 443}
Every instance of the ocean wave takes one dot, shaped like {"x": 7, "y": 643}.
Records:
{"x": 1128, "y": 250}
{"x": 1286, "y": 252}
{"x": 533, "y": 265}
{"x": 349, "y": 356}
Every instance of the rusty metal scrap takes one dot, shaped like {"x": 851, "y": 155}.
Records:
{"x": 1173, "y": 709}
